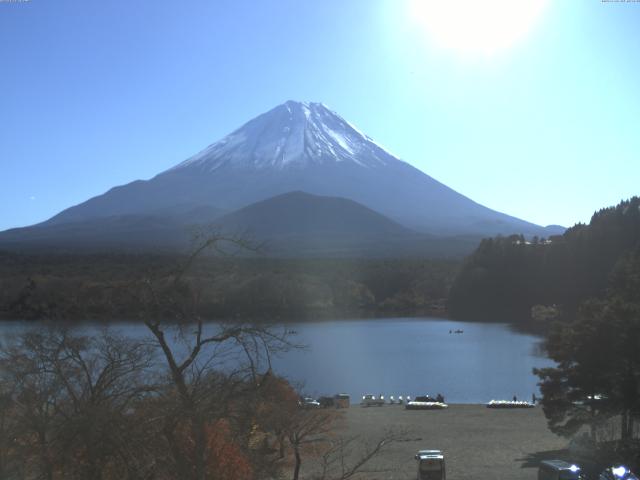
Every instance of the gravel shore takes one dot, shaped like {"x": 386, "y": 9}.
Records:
{"x": 478, "y": 443}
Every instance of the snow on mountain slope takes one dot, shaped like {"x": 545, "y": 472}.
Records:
{"x": 306, "y": 147}
{"x": 292, "y": 134}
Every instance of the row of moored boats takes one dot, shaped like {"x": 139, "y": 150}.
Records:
{"x": 425, "y": 402}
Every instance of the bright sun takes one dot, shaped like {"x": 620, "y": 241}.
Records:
{"x": 476, "y": 26}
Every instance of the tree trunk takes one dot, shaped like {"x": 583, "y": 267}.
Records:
{"x": 624, "y": 425}
{"x": 281, "y": 445}
{"x": 296, "y": 470}
{"x": 44, "y": 455}
{"x": 180, "y": 462}
{"x": 200, "y": 439}
{"x": 93, "y": 465}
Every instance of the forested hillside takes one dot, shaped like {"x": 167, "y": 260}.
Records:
{"x": 81, "y": 287}
{"x": 506, "y": 276}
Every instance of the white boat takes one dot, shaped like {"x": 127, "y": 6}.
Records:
{"x": 509, "y": 404}
{"x": 425, "y": 403}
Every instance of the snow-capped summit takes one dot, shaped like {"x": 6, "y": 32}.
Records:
{"x": 302, "y": 147}
{"x": 292, "y": 134}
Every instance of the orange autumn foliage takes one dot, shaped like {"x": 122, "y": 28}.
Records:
{"x": 278, "y": 402}
{"x": 226, "y": 460}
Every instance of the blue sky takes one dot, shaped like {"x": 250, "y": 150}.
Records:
{"x": 96, "y": 94}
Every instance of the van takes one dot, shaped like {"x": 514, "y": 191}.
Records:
{"x": 430, "y": 465}
{"x": 558, "y": 470}
{"x": 342, "y": 400}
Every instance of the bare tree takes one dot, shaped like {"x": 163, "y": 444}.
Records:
{"x": 6, "y": 431}
{"x": 72, "y": 402}
{"x": 103, "y": 406}
{"x": 312, "y": 431}
{"x": 306, "y": 427}
{"x": 348, "y": 457}
{"x": 208, "y": 363}
{"x": 36, "y": 391}
{"x": 9, "y": 466}
{"x": 278, "y": 404}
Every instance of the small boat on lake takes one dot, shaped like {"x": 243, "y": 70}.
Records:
{"x": 509, "y": 404}
{"x": 425, "y": 402}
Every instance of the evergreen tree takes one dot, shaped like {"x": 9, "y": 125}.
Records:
{"x": 505, "y": 277}
{"x": 598, "y": 355}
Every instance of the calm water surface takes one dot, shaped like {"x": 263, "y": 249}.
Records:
{"x": 404, "y": 356}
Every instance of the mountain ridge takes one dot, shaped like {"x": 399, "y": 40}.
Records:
{"x": 301, "y": 146}
{"x": 298, "y": 212}
{"x": 295, "y": 224}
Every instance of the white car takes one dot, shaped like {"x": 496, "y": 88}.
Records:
{"x": 308, "y": 402}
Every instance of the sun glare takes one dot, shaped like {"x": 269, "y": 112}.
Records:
{"x": 476, "y": 26}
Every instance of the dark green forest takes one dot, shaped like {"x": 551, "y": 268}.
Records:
{"x": 508, "y": 276}
{"x": 105, "y": 287}
{"x": 592, "y": 394}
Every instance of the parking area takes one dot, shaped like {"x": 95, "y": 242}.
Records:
{"x": 477, "y": 442}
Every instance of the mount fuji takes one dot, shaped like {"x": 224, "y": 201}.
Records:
{"x": 295, "y": 147}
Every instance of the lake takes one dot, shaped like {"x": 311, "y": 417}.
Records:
{"x": 413, "y": 356}
{"x": 404, "y": 356}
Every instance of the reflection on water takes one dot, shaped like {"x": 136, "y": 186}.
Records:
{"x": 400, "y": 356}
